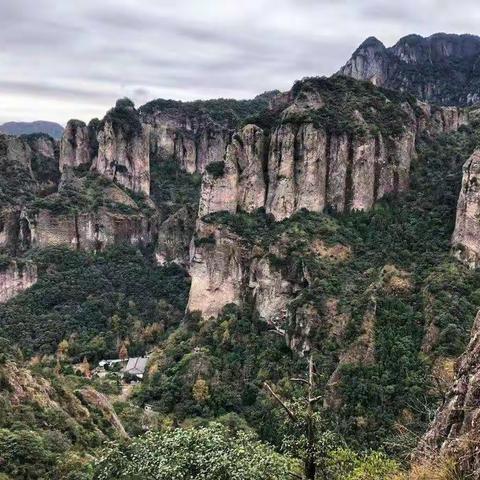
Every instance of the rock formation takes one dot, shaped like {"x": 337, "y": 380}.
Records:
{"x": 217, "y": 269}
{"x": 466, "y": 236}
{"x": 124, "y": 160}
{"x": 455, "y": 430}
{"x": 193, "y": 141}
{"x": 305, "y": 163}
{"x": 75, "y": 145}
{"x": 442, "y": 68}
{"x": 92, "y": 231}
{"x": 174, "y": 236}
{"x": 15, "y": 278}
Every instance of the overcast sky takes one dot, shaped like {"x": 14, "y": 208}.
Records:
{"x": 73, "y": 58}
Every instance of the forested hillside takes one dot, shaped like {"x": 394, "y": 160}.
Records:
{"x": 222, "y": 289}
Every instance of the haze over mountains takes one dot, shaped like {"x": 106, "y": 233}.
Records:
{"x": 53, "y": 129}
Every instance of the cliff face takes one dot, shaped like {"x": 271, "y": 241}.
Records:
{"x": 313, "y": 161}
{"x": 123, "y": 159}
{"x": 75, "y": 145}
{"x": 193, "y": 140}
{"x": 87, "y": 231}
{"x": 217, "y": 266}
{"x": 455, "y": 430}
{"x": 442, "y": 68}
{"x": 14, "y": 279}
{"x": 322, "y": 153}
{"x": 466, "y": 236}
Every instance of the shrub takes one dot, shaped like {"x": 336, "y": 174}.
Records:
{"x": 216, "y": 169}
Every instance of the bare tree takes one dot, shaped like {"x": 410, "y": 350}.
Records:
{"x": 311, "y": 400}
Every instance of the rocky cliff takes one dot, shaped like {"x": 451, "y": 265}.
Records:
{"x": 466, "y": 237}
{"x": 321, "y": 152}
{"x": 195, "y": 134}
{"x": 15, "y": 278}
{"x": 78, "y": 146}
{"x": 455, "y": 430}
{"x": 124, "y": 149}
{"x": 442, "y": 68}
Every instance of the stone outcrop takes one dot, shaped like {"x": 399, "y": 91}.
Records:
{"x": 124, "y": 158}
{"x": 15, "y": 278}
{"x": 174, "y": 236}
{"x": 308, "y": 166}
{"x": 466, "y": 236}
{"x": 193, "y": 139}
{"x": 455, "y": 431}
{"x": 87, "y": 231}
{"x": 75, "y": 146}
{"x": 217, "y": 269}
{"x": 237, "y": 182}
{"x": 441, "y": 68}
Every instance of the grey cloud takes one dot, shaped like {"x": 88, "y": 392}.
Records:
{"x": 77, "y": 57}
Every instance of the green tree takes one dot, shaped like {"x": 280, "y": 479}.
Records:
{"x": 206, "y": 453}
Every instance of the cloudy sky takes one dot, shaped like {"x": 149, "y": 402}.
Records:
{"x": 72, "y": 58}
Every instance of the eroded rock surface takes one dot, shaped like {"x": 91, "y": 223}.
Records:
{"x": 455, "y": 430}
{"x": 466, "y": 236}
{"x": 15, "y": 278}
{"x": 439, "y": 69}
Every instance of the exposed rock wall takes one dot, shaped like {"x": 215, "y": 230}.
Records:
{"x": 304, "y": 167}
{"x": 87, "y": 231}
{"x": 455, "y": 430}
{"x": 75, "y": 145}
{"x": 16, "y": 278}
{"x": 193, "y": 140}
{"x": 439, "y": 69}
{"x": 240, "y": 184}
{"x": 217, "y": 269}
{"x": 123, "y": 158}
{"x": 466, "y": 236}
{"x": 174, "y": 236}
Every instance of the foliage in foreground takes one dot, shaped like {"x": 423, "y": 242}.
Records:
{"x": 206, "y": 453}
{"x": 215, "y": 452}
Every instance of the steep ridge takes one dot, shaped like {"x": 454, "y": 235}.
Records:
{"x": 442, "y": 68}
{"x": 466, "y": 237}
{"x": 335, "y": 145}
{"x": 455, "y": 430}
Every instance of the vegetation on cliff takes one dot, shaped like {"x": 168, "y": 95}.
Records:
{"x": 92, "y": 301}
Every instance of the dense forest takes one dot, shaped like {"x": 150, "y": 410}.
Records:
{"x": 215, "y": 378}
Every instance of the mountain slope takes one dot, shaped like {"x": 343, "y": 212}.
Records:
{"x": 442, "y": 68}
{"x": 53, "y": 129}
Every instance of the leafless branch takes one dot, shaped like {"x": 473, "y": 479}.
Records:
{"x": 300, "y": 380}
{"x": 280, "y": 401}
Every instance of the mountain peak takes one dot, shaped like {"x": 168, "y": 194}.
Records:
{"x": 438, "y": 68}
{"x": 371, "y": 43}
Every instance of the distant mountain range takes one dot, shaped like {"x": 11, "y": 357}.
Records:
{"x": 53, "y": 129}
{"x": 443, "y": 68}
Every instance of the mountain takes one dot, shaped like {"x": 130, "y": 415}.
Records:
{"x": 443, "y": 68}
{"x": 249, "y": 248}
{"x": 53, "y": 129}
